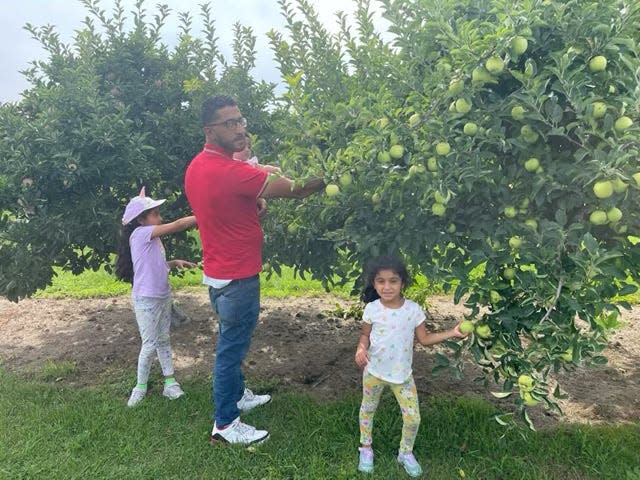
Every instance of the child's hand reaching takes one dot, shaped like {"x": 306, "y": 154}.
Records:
{"x": 457, "y": 333}
{"x": 362, "y": 357}
{"x": 183, "y": 264}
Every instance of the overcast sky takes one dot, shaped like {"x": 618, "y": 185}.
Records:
{"x": 17, "y": 48}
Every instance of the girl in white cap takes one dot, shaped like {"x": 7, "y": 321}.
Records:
{"x": 141, "y": 261}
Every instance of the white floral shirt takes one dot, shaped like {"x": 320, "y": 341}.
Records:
{"x": 391, "y": 339}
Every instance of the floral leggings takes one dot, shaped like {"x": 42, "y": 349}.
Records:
{"x": 407, "y": 397}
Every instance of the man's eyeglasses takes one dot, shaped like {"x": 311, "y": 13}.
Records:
{"x": 230, "y": 124}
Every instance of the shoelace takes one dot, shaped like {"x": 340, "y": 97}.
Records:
{"x": 248, "y": 394}
{"x": 245, "y": 429}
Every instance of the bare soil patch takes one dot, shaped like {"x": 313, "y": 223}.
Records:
{"x": 298, "y": 344}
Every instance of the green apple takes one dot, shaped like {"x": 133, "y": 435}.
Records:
{"x": 532, "y": 164}
{"x": 598, "y": 63}
{"x": 438, "y": 209}
{"x": 432, "y": 164}
{"x": 525, "y": 382}
{"x": 524, "y": 203}
{"x": 515, "y": 242}
{"x": 462, "y": 106}
{"x": 466, "y": 326}
{"x": 603, "y": 189}
{"x": 622, "y": 124}
{"x": 599, "y": 109}
{"x": 519, "y": 45}
{"x": 494, "y": 65}
{"x": 414, "y": 120}
{"x": 384, "y": 157}
{"x": 636, "y": 177}
{"x": 529, "y": 134}
{"x": 383, "y": 122}
{"x": 483, "y": 331}
{"x": 292, "y": 228}
{"x": 416, "y": 170}
{"x": 494, "y": 296}
{"x": 619, "y": 185}
{"x": 375, "y": 198}
{"x": 443, "y": 148}
{"x": 509, "y": 273}
{"x": 528, "y": 399}
{"x": 332, "y": 190}
{"x": 529, "y": 68}
{"x": 451, "y": 228}
{"x": 598, "y": 217}
{"x": 439, "y": 198}
{"x": 614, "y": 215}
{"x": 567, "y": 356}
{"x": 346, "y": 179}
{"x": 396, "y": 151}
{"x": 517, "y": 112}
{"x": 510, "y": 211}
{"x": 480, "y": 76}
{"x": 470, "y": 129}
{"x": 531, "y": 223}
{"x": 456, "y": 87}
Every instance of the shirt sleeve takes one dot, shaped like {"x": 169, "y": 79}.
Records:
{"x": 248, "y": 180}
{"x": 419, "y": 315}
{"x": 142, "y": 235}
{"x": 367, "y": 315}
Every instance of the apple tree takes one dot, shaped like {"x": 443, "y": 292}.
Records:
{"x": 495, "y": 144}
{"x": 114, "y": 110}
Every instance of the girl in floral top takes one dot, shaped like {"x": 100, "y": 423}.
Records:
{"x": 385, "y": 353}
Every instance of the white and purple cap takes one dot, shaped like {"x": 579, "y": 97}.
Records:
{"x": 139, "y": 204}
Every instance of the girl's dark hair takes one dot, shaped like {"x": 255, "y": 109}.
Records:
{"x": 124, "y": 262}
{"x": 385, "y": 262}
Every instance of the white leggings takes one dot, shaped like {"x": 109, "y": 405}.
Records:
{"x": 154, "y": 319}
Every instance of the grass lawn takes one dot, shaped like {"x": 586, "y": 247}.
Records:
{"x": 52, "y": 431}
{"x": 103, "y": 284}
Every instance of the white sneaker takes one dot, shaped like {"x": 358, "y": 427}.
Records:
{"x": 173, "y": 391}
{"x": 239, "y": 433}
{"x": 137, "y": 394}
{"x": 250, "y": 400}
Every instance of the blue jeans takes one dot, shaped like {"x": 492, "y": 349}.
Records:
{"x": 238, "y": 306}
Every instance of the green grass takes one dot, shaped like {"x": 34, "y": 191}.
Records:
{"x": 103, "y": 284}
{"x": 49, "y": 430}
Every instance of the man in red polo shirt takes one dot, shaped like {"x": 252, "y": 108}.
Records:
{"x": 224, "y": 195}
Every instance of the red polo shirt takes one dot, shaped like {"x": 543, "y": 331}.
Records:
{"x": 222, "y": 193}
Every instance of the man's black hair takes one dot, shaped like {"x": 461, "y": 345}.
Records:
{"x": 211, "y": 106}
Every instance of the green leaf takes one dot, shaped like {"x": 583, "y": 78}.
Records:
{"x": 501, "y": 394}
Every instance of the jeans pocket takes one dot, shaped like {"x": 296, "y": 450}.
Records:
{"x": 237, "y": 306}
